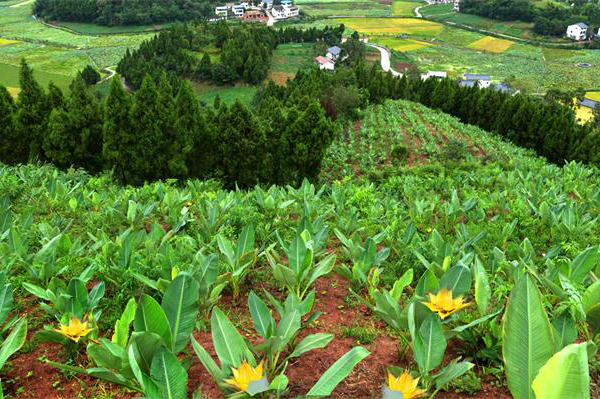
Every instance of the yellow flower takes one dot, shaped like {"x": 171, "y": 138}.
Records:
{"x": 444, "y": 304}
{"x": 75, "y": 330}
{"x": 244, "y": 375}
{"x": 406, "y": 385}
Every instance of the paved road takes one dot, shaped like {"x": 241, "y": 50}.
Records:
{"x": 112, "y": 73}
{"x": 385, "y": 59}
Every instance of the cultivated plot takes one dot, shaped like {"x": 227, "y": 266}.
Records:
{"x": 491, "y": 44}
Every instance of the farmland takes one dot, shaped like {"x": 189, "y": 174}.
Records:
{"x": 400, "y": 44}
{"x": 380, "y": 233}
{"x": 491, "y": 44}
{"x": 346, "y": 8}
{"x": 393, "y": 26}
{"x": 54, "y": 54}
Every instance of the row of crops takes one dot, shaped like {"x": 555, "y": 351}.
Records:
{"x": 402, "y": 132}
{"x": 442, "y": 278}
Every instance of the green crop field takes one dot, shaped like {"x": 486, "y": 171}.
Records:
{"x": 55, "y": 54}
{"x": 228, "y": 94}
{"x": 347, "y": 8}
{"x": 93, "y": 29}
{"x": 403, "y": 8}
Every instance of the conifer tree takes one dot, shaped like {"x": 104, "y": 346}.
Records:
{"x": 55, "y": 98}
{"x": 7, "y": 127}
{"x": 146, "y": 148}
{"x": 189, "y": 128}
{"x": 119, "y": 133}
{"x": 31, "y": 118}
{"x": 242, "y": 146}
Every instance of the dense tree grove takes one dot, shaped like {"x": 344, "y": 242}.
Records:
{"x": 245, "y": 52}
{"x": 550, "y": 19}
{"x": 124, "y": 12}
{"x": 161, "y": 131}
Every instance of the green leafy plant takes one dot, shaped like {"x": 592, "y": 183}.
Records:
{"x": 145, "y": 360}
{"x": 234, "y": 353}
{"x": 301, "y": 271}
{"x": 237, "y": 262}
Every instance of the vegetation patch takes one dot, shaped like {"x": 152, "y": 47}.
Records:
{"x": 14, "y": 91}
{"x": 491, "y": 44}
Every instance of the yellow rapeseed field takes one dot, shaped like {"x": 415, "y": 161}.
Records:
{"x": 392, "y": 26}
{"x": 491, "y": 44}
{"x": 593, "y": 95}
{"x": 4, "y": 42}
{"x": 401, "y": 44}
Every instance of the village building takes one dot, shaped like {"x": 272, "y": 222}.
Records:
{"x": 470, "y": 80}
{"x": 434, "y": 74}
{"x": 333, "y": 53}
{"x": 324, "y": 63}
{"x": 577, "y": 31}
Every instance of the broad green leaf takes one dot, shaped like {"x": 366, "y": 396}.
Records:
{"x": 14, "y": 341}
{"x": 169, "y": 374}
{"x": 565, "y": 375}
{"x": 315, "y": 341}
{"x": 37, "y": 291}
{"x": 288, "y": 326}
{"x": 180, "y": 304}
{"x": 261, "y": 315}
{"x": 565, "y": 331}
{"x": 229, "y": 344}
{"x": 483, "y": 291}
{"x": 121, "y": 334}
{"x": 279, "y": 383}
{"x": 6, "y": 302}
{"x": 150, "y": 316}
{"x": 207, "y": 361}
{"x": 457, "y": 280}
{"x": 583, "y": 264}
{"x": 528, "y": 341}
{"x": 430, "y": 345}
{"x": 401, "y": 283}
{"x": 256, "y": 387}
{"x": 246, "y": 241}
{"x": 337, "y": 372}
{"x": 427, "y": 283}
{"x": 451, "y": 372}
{"x": 388, "y": 309}
{"x": 144, "y": 345}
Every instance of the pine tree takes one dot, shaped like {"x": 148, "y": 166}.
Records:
{"x": 7, "y": 127}
{"x": 119, "y": 134}
{"x": 31, "y": 118}
{"x": 55, "y": 98}
{"x": 166, "y": 118}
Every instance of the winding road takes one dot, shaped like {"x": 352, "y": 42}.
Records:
{"x": 386, "y": 64}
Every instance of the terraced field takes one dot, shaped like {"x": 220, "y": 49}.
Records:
{"x": 393, "y": 26}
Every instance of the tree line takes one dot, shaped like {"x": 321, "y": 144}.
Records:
{"x": 124, "y": 12}
{"x": 550, "y": 19}
{"x": 244, "y": 52}
{"x": 160, "y": 132}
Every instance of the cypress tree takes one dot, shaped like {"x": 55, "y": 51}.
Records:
{"x": 55, "y": 98}
{"x": 189, "y": 128}
{"x": 166, "y": 118}
{"x": 119, "y": 133}
{"x": 146, "y": 149}
{"x": 7, "y": 127}
{"x": 32, "y": 117}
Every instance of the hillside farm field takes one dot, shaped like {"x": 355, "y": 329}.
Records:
{"x": 491, "y": 44}
{"x": 400, "y": 44}
{"x": 393, "y": 26}
{"x": 54, "y": 54}
{"x": 368, "y": 145}
{"x": 444, "y": 12}
{"x": 347, "y": 8}
{"x": 410, "y": 206}
{"x": 404, "y": 8}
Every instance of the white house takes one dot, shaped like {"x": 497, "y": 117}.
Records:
{"x": 333, "y": 53}
{"x": 221, "y": 11}
{"x": 434, "y": 74}
{"x": 482, "y": 81}
{"x": 268, "y": 4}
{"x": 283, "y": 12}
{"x": 238, "y": 10}
{"x": 292, "y": 11}
{"x": 456, "y": 5}
{"x": 325, "y": 63}
{"x": 577, "y": 31}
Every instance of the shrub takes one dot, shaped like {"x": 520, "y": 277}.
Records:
{"x": 400, "y": 154}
